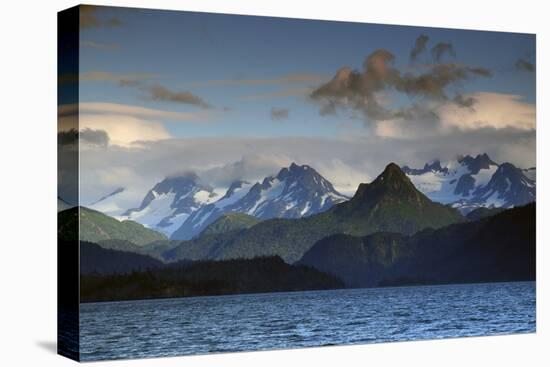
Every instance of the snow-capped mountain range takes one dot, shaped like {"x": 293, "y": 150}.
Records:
{"x": 182, "y": 206}
{"x": 470, "y": 182}
{"x": 295, "y": 192}
{"x": 170, "y": 202}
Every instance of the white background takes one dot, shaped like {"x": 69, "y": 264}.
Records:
{"x": 28, "y": 182}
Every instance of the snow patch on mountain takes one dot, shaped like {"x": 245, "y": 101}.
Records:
{"x": 471, "y": 182}
{"x": 296, "y": 191}
{"x": 170, "y": 202}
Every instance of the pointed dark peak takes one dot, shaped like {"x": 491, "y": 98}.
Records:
{"x": 395, "y": 179}
{"x": 392, "y": 184}
{"x": 392, "y": 172}
{"x": 391, "y": 178}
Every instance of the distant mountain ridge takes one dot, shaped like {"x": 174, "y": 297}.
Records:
{"x": 472, "y": 182}
{"x": 295, "y": 192}
{"x": 388, "y": 233}
{"x": 389, "y": 203}
{"x": 496, "y": 248}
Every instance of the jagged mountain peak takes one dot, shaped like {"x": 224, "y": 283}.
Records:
{"x": 476, "y": 181}
{"x": 508, "y": 187}
{"x": 434, "y": 166}
{"x": 391, "y": 181}
{"x": 292, "y": 187}
{"x": 180, "y": 182}
{"x": 477, "y": 163}
{"x": 306, "y": 176}
{"x": 180, "y": 185}
{"x": 168, "y": 204}
{"x": 392, "y": 201}
{"x": 381, "y": 209}
{"x": 392, "y": 171}
{"x": 296, "y": 191}
{"x": 296, "y": 170}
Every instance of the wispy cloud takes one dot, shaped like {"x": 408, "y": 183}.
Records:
{"x": 161, "y": 93}
{"x": 122, "y": 79}
{"x": 285, "y": 79}
{"x": 289, "y": 92}
{"x": 153, "y": 92}
{"x": 130, "y": 110}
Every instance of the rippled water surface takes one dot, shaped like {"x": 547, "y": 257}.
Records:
{"x": 301, "y": 319}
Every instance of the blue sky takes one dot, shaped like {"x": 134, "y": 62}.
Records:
{"x": 183, "y": 51}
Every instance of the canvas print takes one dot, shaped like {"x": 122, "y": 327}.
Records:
{"x": 238, "y": 183}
